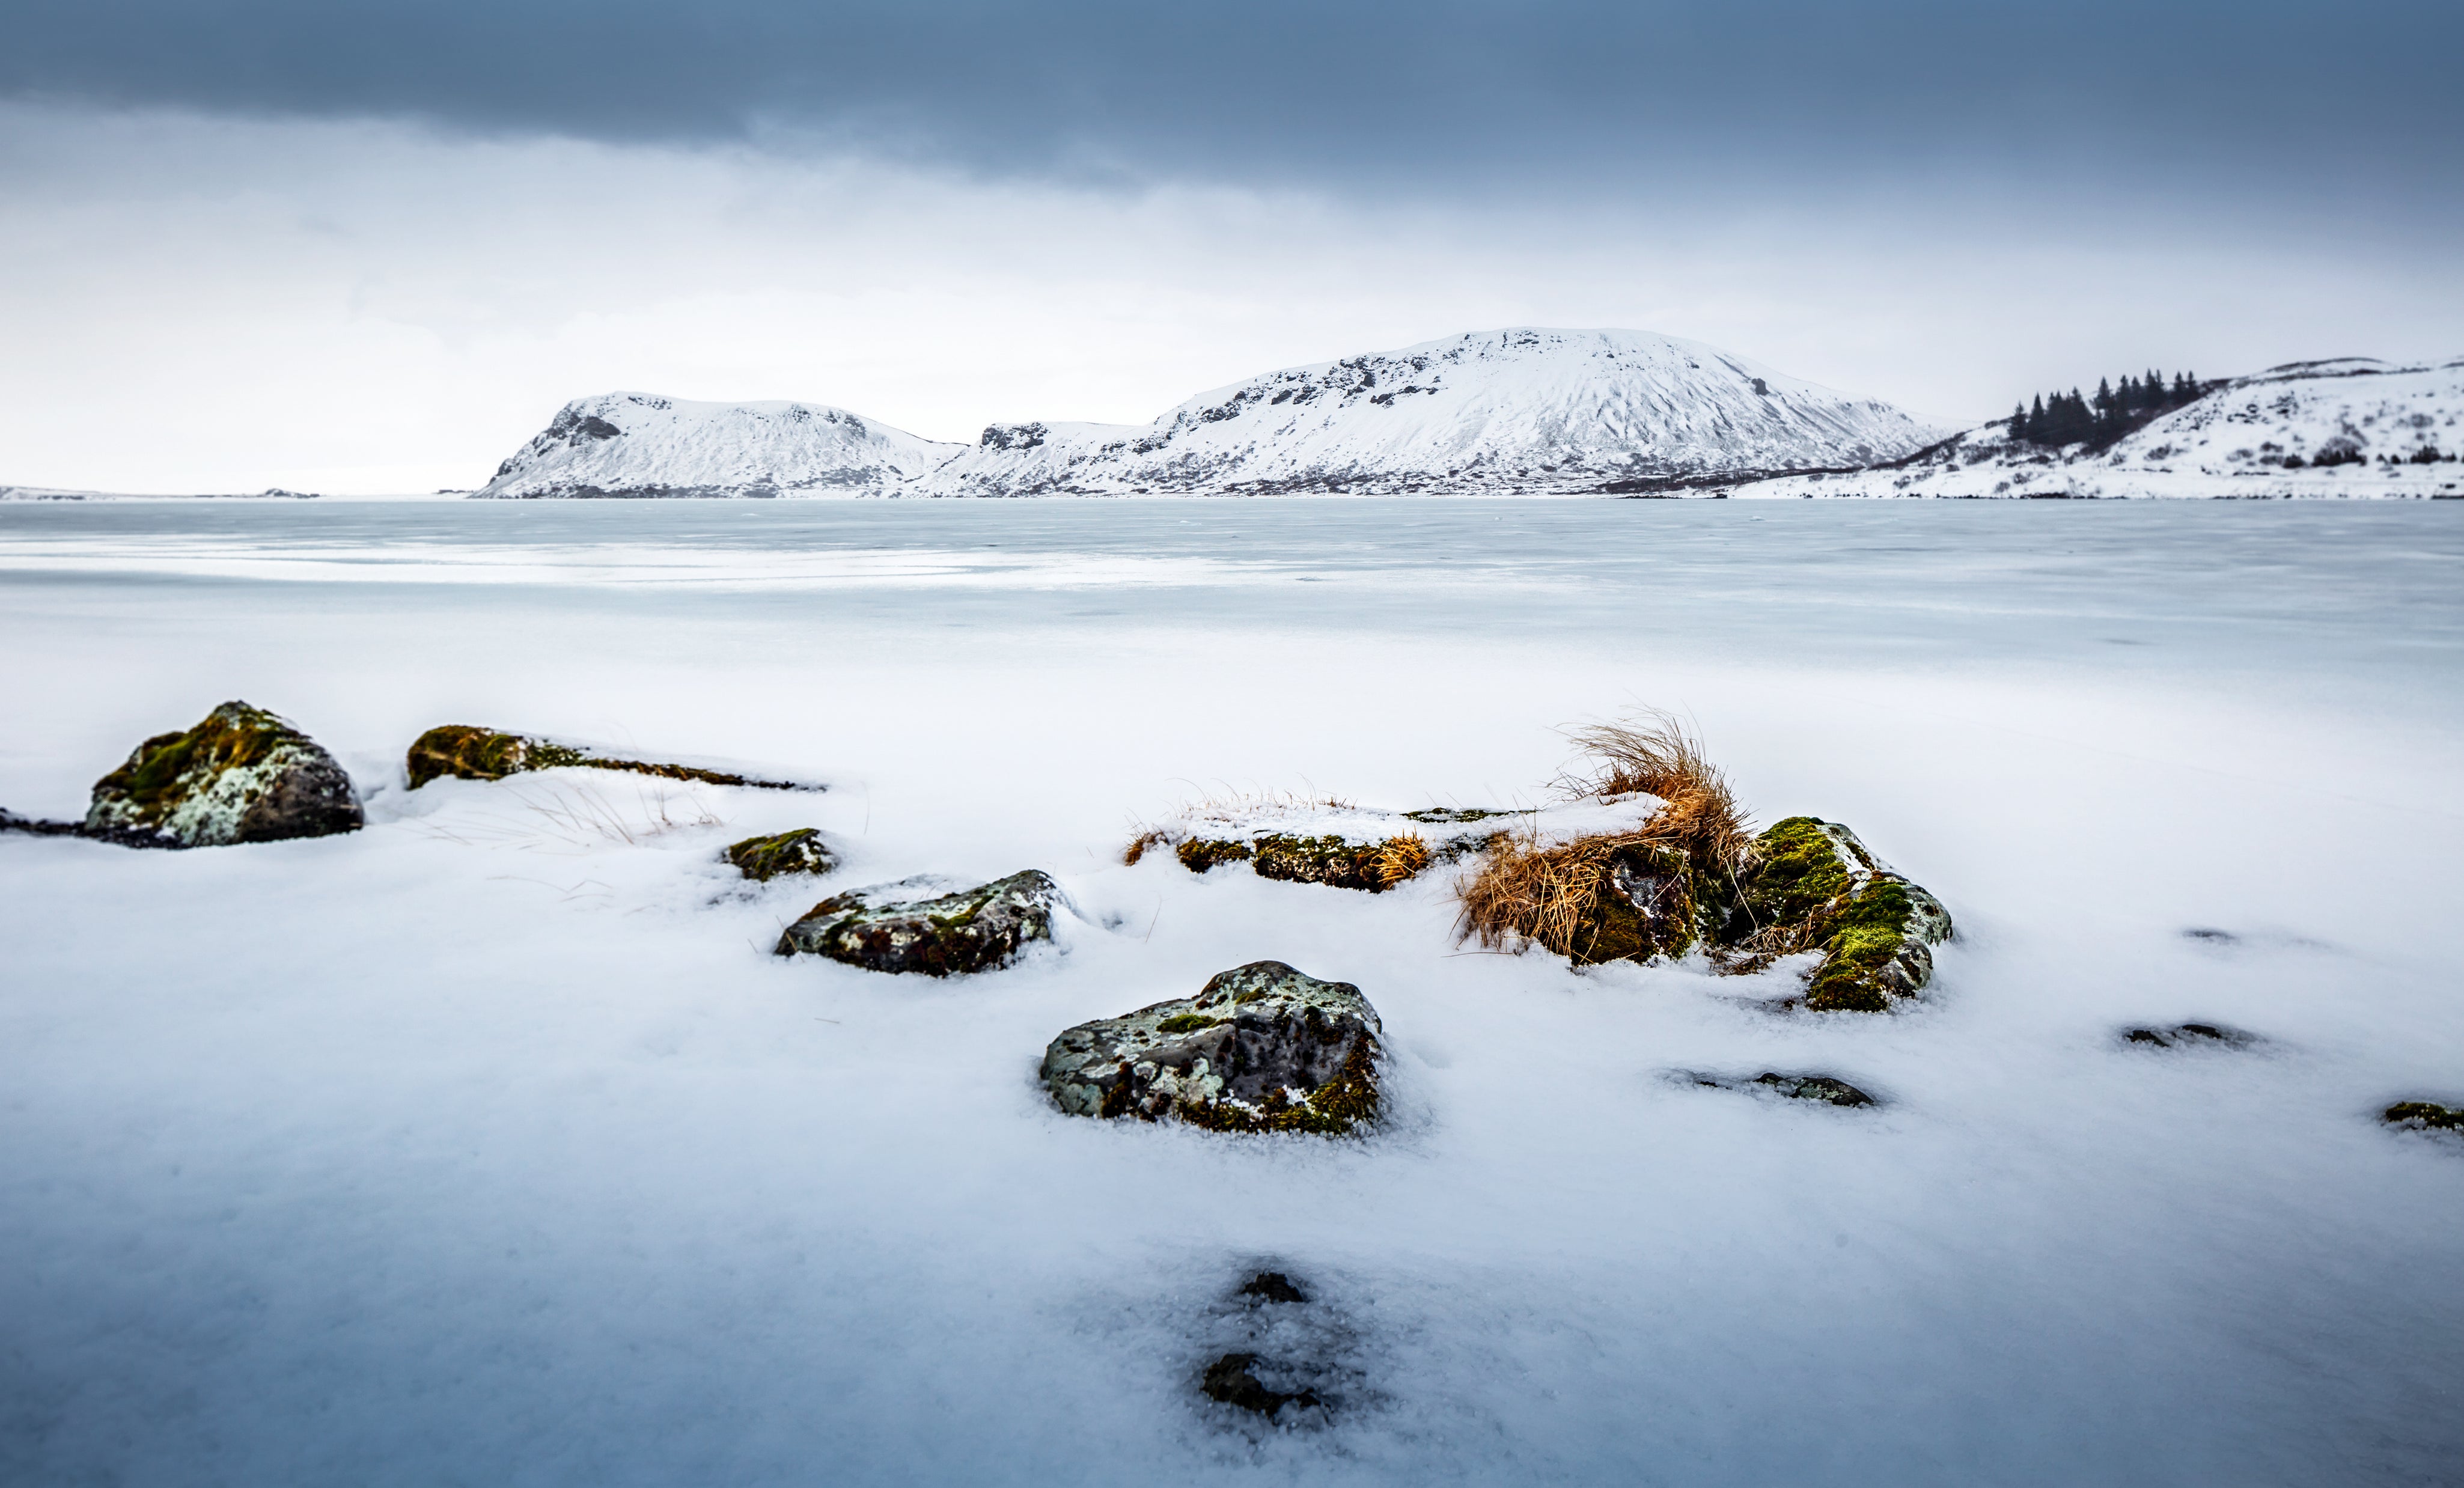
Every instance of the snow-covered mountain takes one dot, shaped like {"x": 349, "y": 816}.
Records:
{"x": 2352, "y": 427}
{"x": 1510, "y": 411}
{"x": 642, "y": 444}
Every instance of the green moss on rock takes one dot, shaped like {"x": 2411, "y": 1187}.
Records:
{"x": 1812, "y": 885}
{"x": 242, "y": 775}
{"x": 469, "y": 752}
{"x": 763, "y": 858}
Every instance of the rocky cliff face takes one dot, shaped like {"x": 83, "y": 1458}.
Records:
{"x": 642, "y": 444}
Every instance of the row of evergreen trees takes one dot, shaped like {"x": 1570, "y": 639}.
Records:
{"x": 2069, "y": 419}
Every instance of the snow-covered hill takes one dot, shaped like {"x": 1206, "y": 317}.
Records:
{"x": 2352, "y": 427}
{"x": 642, "y": 444}
{"x": 1510, "y": 411}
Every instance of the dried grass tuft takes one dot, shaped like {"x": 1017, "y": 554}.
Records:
{"x": 1653, "y": 752}
{"x": 1400, "y": 858}
{"x": 1527, "y": 893}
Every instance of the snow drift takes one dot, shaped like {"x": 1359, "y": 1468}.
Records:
{"x": 1489, "y": 412}
{"x": 642, "y": 444}
{"x": 2351, "y": 427}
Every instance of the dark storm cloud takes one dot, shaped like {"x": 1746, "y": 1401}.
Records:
{"x": 1418, "y": 99}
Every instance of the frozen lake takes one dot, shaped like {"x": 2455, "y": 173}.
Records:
{"x": 490, "y": 1146}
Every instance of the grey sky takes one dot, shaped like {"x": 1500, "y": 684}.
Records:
{"x": 359, "y": 246}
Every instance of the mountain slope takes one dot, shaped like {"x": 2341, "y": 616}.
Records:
{"x": 2353, "y": 427}
{"x": 1519, "y": 410}
{"x": 642, "y": 444}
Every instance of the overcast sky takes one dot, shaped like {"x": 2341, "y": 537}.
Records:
{"x": 353, "y": 246}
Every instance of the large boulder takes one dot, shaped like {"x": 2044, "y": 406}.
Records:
{"x": 975, "y": 929}
{"x": 243, "y": 774}
{"x": 1811, "y": 886}
{"x": 1261, "y": 1048}
{"x": 470, "y": 753}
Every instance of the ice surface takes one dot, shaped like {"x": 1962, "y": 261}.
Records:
{"x": 490, "y": 1144}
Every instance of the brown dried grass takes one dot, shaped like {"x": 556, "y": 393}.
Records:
{"x": 1527, "y": 893}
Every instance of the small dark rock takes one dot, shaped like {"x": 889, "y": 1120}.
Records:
{"x": 1273, "y": 1286}
{"x": 2211, "y": 937}
{"x": 1825, "y": 1088}
{"x": 2423, "y": 1116}
{"x": 2190, "y": 1035}
{"x": 1232, "y": 1380}
{"x": 975, "y": 929}
{"x": 1816, "y": 1087}
{"x": 763, "y": 858}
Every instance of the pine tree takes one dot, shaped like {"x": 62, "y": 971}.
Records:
{"x": 2019, "y": 422}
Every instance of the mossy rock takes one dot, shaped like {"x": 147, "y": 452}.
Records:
{"x": 976, "y": 930}
{"x": 1655, "y": 902}
{"x": 1337, "y": 862}
{"x": 1261, "y": 1048}
{"x": 1812, "y": 885}
{"x": 474, "y": 754}
{"x": 243, "y": 774}
{"x": 2423, "y": 1116}
{"x": 763, "y": 858}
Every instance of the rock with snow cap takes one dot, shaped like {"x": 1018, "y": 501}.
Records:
{"x": 886, "y": 930}
{"x": 1262, "y": 1047}
{"x": 1811, "y": 886}
{"x": 242, "y": 775}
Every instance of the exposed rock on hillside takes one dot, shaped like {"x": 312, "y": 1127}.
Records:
{"x": 975, "y": 929}
{"x": 243, "y": 774}
{"x": 643, "y": 445}
{"x": 470, "y": 753}
{"x": 1261, "y": 1048}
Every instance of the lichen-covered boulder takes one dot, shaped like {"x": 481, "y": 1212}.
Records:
{"x": 1261, "y": 1048}
{"x": 241, "y": 776}
{"x": 474, "y": 754}
{"x": 1811, "y": 886}
{"x": 975, "y": 929}
{"x": 801, "y": 851}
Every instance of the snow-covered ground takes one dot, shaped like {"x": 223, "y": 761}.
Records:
{"x": 2389, "y": 430}
{"x": 489, "y": 1145}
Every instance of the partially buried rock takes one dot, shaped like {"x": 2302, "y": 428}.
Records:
{"x": 1233, "y": 1380}
{"x": 1328, "y": 843}
{"x": 1261, "y": 1048}
{"x": 1823, "y": 1088}
{"x": 241, "y": 776}
{"x": 2423, "y": 1116}
{"x": 801, "y": 851}
{"x": 475, "y": 753}
{"x": 2189, "y": 1036}
{"x": 1811, "y": 886}
{"x": 975, "y": 929}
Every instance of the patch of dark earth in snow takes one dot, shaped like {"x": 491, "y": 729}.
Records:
{"x": 2190, "y": 1035}
{"x": 1277, "y": 1353}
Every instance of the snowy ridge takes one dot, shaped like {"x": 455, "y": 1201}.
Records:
{"x": 2381, "y": 430}
{"x": 1493, "y": 412}
{"x": 643, "y": 445}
